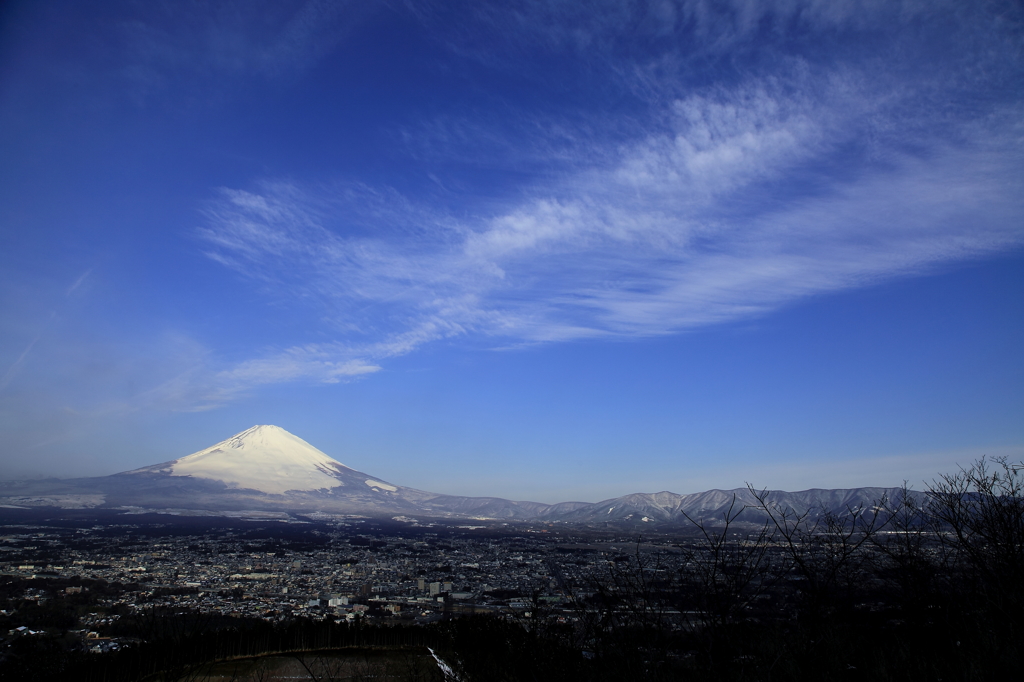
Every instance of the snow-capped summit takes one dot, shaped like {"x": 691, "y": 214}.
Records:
{"x": 265, "y": 458}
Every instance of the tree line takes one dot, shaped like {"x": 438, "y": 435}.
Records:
{"x": 917, "y": 586}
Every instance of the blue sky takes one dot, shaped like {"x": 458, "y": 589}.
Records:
{"x": 541, "y": 250}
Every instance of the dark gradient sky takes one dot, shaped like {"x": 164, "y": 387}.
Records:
{"x": 539, "y": 250}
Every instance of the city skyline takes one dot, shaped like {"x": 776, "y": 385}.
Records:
{"x": 516, "y": 250}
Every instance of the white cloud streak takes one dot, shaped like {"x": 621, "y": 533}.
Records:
{"x": 200, "y": 387}
{"x": 724, "y": 202}
{"x": 9, "y": 374}
{"x": 5, "y": 380}
{"x": 703, "y": 224}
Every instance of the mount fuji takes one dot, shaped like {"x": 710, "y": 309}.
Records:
{"x": 268, "y": 469}
{"x": 267, "y": 459}
{"x": 262, "y": 468}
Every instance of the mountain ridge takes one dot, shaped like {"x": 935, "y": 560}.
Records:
{"x": 266, "y": 467}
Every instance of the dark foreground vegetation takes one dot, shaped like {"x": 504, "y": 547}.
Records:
{"x": 919, "y": 587}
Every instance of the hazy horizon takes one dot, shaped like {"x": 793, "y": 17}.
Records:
{"x": 529, "y": 250}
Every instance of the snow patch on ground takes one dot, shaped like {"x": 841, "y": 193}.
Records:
{"x": 62, "y": 501}
{"x": 378, "y": 484}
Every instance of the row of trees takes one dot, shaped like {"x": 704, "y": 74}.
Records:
{"x": 917, "y": 586}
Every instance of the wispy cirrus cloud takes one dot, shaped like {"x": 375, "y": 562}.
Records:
{"x": 201, "y": 386}
{"x": 775, "y": 171}
{"x": 748, "y": 201}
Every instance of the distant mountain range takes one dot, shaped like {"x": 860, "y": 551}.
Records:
{"x": 268, "y": 469}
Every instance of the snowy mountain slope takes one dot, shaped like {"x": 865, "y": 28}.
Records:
{"x": 712, "y": 505}
{"x": 290, "y": 472}
{"x": 264, "y": 458}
